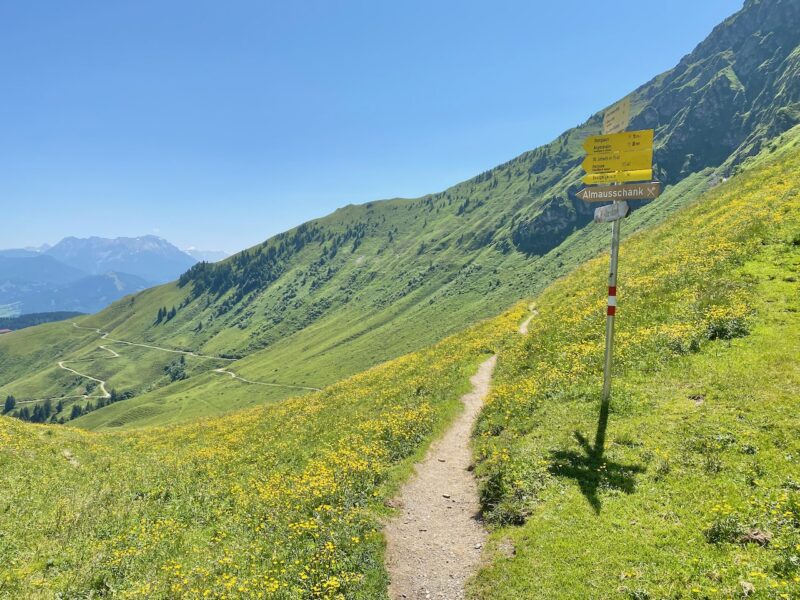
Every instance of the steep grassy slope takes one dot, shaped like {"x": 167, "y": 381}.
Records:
{"x": 275, "y": 502}
{"x": 284, "y": 500}
{"x": 701, "y": 446}
{"x": 371, "y": 282}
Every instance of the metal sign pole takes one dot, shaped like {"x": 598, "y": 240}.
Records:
{"x": 611, "y": 310}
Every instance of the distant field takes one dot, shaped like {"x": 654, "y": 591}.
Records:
{"x": 30, "y": 320}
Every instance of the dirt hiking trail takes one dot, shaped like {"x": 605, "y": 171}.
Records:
{"x": 433, "y": 544}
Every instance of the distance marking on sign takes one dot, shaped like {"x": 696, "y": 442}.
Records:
{"x": 607, "y": 162}
{"x": 619, "y": 142}
{"x": 618, "y": 177}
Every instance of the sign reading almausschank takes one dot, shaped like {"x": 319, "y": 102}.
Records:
{"x": 643, "y": 191}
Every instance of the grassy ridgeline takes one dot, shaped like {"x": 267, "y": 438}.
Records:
{"x": 285, "y": 500}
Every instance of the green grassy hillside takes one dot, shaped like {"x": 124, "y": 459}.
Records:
{"x": 369, "y": 283}
{"x": 700, "y": 449}
{"x": 285, "y": 501}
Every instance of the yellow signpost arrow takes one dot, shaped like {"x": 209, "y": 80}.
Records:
{"x": 617, "y": 117}
{"x": 618, "y": 177}
{"x": 619, "y": 142}
{"x": 607, "y": 162}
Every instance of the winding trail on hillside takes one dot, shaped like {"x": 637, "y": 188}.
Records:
{"x": 282, "y": 385}
{"x": 433, "y": 544}
{"x": 523, "y": 328}
{"x": 62, "y": 365}
{"x": 104, "y": 335}
{"x": 100, "y": 382}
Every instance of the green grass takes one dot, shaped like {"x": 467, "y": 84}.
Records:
{"x": 287, "y": 499}
{"x": 382, "y": 319}
{"x": 199, "y": 396}
{"x": 284, "y": 499}
{"x": 713, "y": 430}
{"x": 701, "y": 442}
{"x": 369, "y": 283}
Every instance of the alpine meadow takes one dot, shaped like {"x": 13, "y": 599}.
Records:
{"x": 248, "y": 430}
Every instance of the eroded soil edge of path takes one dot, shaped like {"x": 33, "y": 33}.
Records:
{"x": 433, "y": 544}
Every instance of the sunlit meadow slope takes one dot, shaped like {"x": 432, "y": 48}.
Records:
{"x": 368, "y": 283}
{"x": 285, "y": 501}
{"x": 691, "y": 489}
{"x": 274, "y": 502}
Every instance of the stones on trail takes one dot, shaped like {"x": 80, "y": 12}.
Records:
{"x": 445, "y": 495}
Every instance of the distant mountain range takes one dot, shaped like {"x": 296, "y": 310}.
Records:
{"x": 87, "y": 274}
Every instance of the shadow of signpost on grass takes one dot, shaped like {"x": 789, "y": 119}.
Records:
{"x": 591, "y": 469}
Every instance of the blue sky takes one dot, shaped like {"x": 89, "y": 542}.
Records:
{"x": 217, "y": 124}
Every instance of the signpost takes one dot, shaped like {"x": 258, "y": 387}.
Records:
{"x": 611, "y": 213}
{"x": 607, "y": 193}
{"x": 618, "y": 177}
{"x": 616, "y": 157}
{"x": 621, "y": 142}
{"x": 616, "y": 160}
{"x": 617, "y": 117}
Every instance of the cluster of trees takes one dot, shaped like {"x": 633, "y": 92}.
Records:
{"x": 46, "y": 412}
{"x": 165, "y": 315}
{"x": 113, "y": 397}
{"x": 31, "y": 319}
{"x": 176, "y": 370}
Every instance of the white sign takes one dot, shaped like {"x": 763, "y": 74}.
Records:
{"x": 612, "y": 212}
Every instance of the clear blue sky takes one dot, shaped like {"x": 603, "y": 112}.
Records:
{"x": 217, "y": 124}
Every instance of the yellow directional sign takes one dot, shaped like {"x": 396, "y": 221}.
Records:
{"x": 618, "y": 161}
{"x": 618, "y": 177}
{"x": 617, "y": 117}
{"x": 619, "y": 142}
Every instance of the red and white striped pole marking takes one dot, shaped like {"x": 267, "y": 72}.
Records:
{"x": 611, "y": 311}
{"x": 612, "y": 301}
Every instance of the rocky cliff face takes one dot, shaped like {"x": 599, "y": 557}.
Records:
{"x": 737, "y": 90}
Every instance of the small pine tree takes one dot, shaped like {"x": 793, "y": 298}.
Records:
{"x": 38, "y": 415}
{"x": 76, "y": 411}
{"x": 10, "y": 404}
